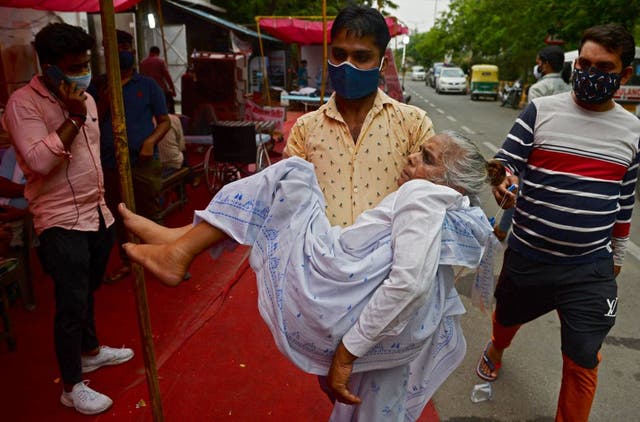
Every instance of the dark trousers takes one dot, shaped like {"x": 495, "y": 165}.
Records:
{"x": 76, "y": 260}
{"x": 147, "y": 183}
{"x": 112, "y": 197}
{"x": 171, "y": 103}
{"x": 584, "y": 295}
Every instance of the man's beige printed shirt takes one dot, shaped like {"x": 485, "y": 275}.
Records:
{"x": 355, "y": 176}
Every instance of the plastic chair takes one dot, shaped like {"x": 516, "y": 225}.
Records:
{"x": 236, "y": 152}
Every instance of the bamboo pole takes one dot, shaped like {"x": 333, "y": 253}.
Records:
{"x": 124, "y": 168}
{"x": 263, "y": 65}
{"x": 161, "y": 21}
{"x": 324, "y": 50}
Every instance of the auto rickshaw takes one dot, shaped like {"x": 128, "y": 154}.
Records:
{"x": 484, "y": 81}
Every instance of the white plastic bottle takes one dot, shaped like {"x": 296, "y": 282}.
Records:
{"x": 482, "y": 392}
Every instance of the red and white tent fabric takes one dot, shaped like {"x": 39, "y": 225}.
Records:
{"x": 67, "y": 5}
{"x": 305, "y": 32}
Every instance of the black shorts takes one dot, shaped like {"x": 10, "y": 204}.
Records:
{"x": 584, "y": 295}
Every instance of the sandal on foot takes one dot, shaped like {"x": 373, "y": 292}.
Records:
{"x": 486, "y": 361}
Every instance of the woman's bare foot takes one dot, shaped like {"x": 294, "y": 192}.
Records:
{"x": 167, "y": 262}
{"x": 147, "y": 230}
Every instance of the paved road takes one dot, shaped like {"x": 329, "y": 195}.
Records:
{"x": 530, "y": 379}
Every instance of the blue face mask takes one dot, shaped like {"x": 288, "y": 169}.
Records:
{"x": 594, "y": 86}
{"x": 352, "y": 83}
{"x": 126, "y": 60}
{"x": 82, "y": 81}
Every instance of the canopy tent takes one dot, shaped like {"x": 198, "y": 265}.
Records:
{"x": 68, "y": 5}
{"x": 305, "y": 32}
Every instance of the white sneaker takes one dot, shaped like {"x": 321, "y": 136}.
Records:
{"x": 106, "y": 356}
{"x": 85, "y": 400}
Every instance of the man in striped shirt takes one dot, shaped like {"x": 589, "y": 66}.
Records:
{"x": 577, "y": 156}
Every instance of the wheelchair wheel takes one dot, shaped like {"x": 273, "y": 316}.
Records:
{"x": 262, "y": 159}
{"x": 217, "y": 174}
{"x": 214, "y": 172}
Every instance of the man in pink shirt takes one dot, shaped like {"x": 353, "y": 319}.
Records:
{"x": 155, "y": 67}
{"x": 53, "y": 125}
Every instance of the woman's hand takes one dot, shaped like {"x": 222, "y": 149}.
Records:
{"x": 339, "y": 373}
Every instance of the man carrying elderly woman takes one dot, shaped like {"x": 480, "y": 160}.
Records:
{"x": 372, "y": 306}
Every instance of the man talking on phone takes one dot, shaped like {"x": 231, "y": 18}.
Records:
{"x": 53, "y": 125}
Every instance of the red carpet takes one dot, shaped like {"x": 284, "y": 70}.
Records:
{"x": 215, "y": 356}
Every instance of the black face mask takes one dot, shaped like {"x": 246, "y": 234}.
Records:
{"x": 594, "y": 86}
{"x": 126, "y": 60}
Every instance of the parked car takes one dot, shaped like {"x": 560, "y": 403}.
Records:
{"x": 417, "y": 73}
{"x": 451, "y": 79}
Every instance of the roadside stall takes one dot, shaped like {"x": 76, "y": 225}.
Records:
{"x": 309, "y": 33}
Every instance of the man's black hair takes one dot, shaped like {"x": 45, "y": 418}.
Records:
{"x": 56, "y": 40}
{"x": 154, "y": 50}
{"x": 553, "y": 55}
{"x": 615, "y": 38}
{"x": 123, "y": 37}
{"x": 362, "y": 21}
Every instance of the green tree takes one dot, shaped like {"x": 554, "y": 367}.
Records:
{"x": 427, "y": 47}
{"x": 509, "y": 33}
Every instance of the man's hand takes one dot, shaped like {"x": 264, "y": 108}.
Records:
{"x": 616, "y": 270}
{"x": 503, "y": 197}
{"x": 146, "y": 152}
{"x": 339, "y": 373}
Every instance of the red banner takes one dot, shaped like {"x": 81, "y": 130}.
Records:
{"x": 255, "y": 113}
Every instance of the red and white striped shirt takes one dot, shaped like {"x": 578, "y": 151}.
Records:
{"x": 578, "y": 171}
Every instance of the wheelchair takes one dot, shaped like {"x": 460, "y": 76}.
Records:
{"x": 237, "y": 151}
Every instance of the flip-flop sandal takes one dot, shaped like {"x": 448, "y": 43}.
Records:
{"x": 493, "y": 367}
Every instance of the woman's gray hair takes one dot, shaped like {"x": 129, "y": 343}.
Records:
{"x": 465, "y": 167}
